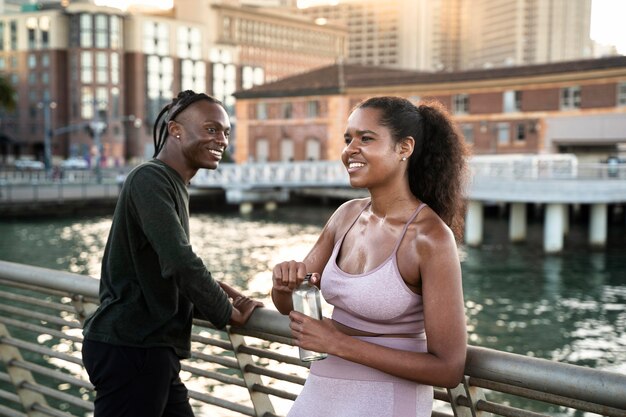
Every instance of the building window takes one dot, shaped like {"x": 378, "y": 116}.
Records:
{"x": 224, "y": 84}
{"x": 45, "y": 60}
{"x": 520, "y": 132}
{"x": 115, "y": 32}
{"x": 313, "y": 150}
{"x": 101, "y": 31}
{"x": 102, "y": 69}
{"x": 115, "y": 68}
{"x": 570, "y": 98}
{"x": 86, "y": 67}
{"x": 156, "y": 38}
{"x": 287, "y": 110}
{"x": 189, "y": 43}
{"x": 468, "y": 132}
{"x": 32, "y": 61}
{"x": 621, "y": 94}
{"x": 102, "y": 101}
{"x": 2, "y": 36}
{"x": 512, "y": 101}
{"x": 159, "y": 84}
{"x": 193, "y": 75}
{"x": 261, "y": 110}
{"x": 32, "y": 42}
{"x": 251, "y": 76}
{"x": 503, "y": 133}
{"x": 313, "y": 108}
{"x": 13, "y": 35}
{"x": 262, "y": 150}
{"x": 286, "y": 150}
{"x": 86, "y": 31}
{"x": 86, "y": 99}
{"x": 461, "y": 104}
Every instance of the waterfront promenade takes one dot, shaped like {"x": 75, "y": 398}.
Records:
{"x": 558, "y": 183}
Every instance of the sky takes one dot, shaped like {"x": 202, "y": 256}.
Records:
{"x": 607, "y": 18}
{"x": 607, "y": 23}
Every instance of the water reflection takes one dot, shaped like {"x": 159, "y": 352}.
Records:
{"x": 569, "y": 307}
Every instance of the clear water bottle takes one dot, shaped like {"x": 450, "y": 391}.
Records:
{"x": 306, "y": 300}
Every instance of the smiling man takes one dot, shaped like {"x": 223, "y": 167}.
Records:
{"x": 152, "y": 283}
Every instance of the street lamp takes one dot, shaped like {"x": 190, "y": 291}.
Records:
{"x": 47, "y": 105}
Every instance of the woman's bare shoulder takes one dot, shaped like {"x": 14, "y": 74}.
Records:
{"x": 432, "y": 231}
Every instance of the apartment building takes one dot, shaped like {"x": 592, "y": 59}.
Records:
{"x": 90, "y": 80}
{"x": 575, "y": 107}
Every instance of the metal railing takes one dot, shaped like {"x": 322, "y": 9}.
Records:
{"x": 253, "y": 370}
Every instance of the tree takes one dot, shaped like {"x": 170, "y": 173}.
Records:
{"x": 7, "y": 94}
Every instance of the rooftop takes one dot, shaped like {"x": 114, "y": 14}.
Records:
{"x": 339, "y": 77}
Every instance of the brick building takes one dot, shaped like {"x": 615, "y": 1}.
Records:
{"x": 576, "y": 107}
{"x": 75, "y": 63}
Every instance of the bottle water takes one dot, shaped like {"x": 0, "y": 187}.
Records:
{"x": 306, "y": 300}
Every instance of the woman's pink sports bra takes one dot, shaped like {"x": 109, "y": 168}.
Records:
{"x": 378, "y": 301}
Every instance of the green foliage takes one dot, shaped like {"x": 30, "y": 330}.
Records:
{"x": 7, "y": 94}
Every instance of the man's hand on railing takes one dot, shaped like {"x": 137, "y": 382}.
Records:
{"x": 243, "y": 306}
{"x": 242, "y": 310}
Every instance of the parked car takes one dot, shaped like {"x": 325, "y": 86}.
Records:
{"x": 74, "y": 163}
{"x": 29, "y": 164}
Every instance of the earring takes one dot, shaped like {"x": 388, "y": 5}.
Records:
{"x": 177, "y": 136}
{"x": 404, "y": 158}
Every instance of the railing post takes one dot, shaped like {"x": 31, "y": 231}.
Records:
{"x": 463, "y": 399}
{"x": 260, "y": 401}
{"x": 20, "y": 377}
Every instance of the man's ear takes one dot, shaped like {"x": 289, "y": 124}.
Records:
{"x": 174, "y": 129}
{"x": 407, "y": 145}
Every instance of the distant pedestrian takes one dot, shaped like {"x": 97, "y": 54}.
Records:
{"x": 152, "y": 283}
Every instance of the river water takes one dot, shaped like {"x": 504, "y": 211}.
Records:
{"x": 569, "y": 307}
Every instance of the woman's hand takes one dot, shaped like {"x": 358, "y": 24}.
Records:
{"x": 286, "y": 277}
{"x": 311, "y": 334}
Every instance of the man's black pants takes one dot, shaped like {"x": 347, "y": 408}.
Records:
{"x": 135, "y": 382}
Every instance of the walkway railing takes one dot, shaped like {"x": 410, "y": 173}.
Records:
{"x": 251, "y": 371}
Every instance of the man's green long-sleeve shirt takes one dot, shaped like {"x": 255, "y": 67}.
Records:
{"x": 151, "y": 279}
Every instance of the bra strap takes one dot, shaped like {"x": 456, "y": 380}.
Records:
{"x": 406, "y": 226}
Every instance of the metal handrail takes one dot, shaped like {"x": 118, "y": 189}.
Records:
{"x": 40, "y": 342}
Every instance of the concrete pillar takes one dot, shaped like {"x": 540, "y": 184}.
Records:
{"x": 553, "y": 228}
{"x": 474, "y": 224}
{"x": 565, "y": 219}
{"x": 517, "y": 222}
{"x": 245, "y": 208}
{"x": 598, "y": 225}
{"x": 271, "y": 206}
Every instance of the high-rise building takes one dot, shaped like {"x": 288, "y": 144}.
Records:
{"x": 392, "y": 33}
{"x": 498, "y": 33}
{"x": 452, "y": 35}
{"x": 85, "y": 75}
